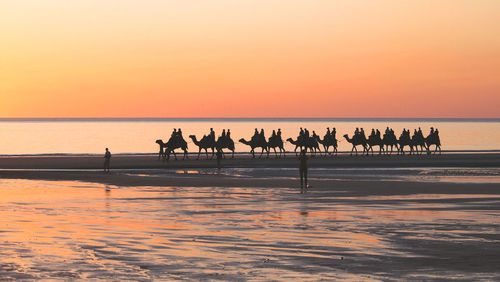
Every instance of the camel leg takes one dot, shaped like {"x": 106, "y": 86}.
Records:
{"x": 261, "y": 153}
{"x": 232, "y": 157}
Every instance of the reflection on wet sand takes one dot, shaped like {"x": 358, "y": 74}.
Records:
{"x": 67, "y": 230}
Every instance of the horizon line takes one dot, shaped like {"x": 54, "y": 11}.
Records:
{"x": 242, "y": 118}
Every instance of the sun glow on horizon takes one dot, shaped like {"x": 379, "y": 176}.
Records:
{"x": 227, "y": 58}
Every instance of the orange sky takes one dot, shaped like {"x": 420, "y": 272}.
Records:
{"x": 199, "y": 58}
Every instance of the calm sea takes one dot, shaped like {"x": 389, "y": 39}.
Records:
{"x": 91, "y": 136}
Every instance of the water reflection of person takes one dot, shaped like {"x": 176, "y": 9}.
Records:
{"x": 303, "y": 171}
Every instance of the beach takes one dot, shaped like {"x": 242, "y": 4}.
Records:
{"x": 381, "y": 218}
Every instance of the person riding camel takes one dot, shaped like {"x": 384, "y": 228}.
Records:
{"x": 228, "y": 134}
{"x": 314, "y": 135}
{"x": 279, "y": 132}
{"x": 174, "y": 133}
{"x": 179, "y": 135}
{"x": 223, "y": 133}
{"x": 356, "y": 132}
{"x": 306, "y": 133}
{"x": 377, "y": 134}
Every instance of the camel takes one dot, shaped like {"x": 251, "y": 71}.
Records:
{"x": 417, "y": 141}
{"x": 403, "y": 141}
{"x": 273, "y": 143}
{"x": 256, "y": 143}
{"x": 389, "y": 140}
{"x": 355, "y": 142}
{"x": 327, "y": 142}
{"x": 204, "y": 144}
{"x": 375, "y": 140}
{"x": 433, "y": 140}
{"x": 225, "y": 143}
{"x": 173, "y": 143}
{"x": 309, "y": 144}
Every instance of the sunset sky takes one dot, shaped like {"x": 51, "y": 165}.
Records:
{"x": 232, "y": 58}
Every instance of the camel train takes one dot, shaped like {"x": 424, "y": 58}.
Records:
{"x": 385, "y": 144}
{"x": 389, "y": 141}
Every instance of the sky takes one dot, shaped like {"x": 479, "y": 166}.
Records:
{"x": 235, "y": 58}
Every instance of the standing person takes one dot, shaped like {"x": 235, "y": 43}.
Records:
{"x": 303, "y": 171}
{"x": 219, "y": 158}
{"x": 107, "y": 159}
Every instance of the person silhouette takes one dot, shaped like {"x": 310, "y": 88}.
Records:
{"x": 279, "y": 132}
{"x": 303, "y": 171}
{"x": 107, "y": 160}
{"x": 228, "y": 134}
{"x": 273, "y": 134}
{"x": 223, "y": 133}
{"x": 356, "y": 132}
{"x": 174, "y": 133}
{"x": 219, "y": 157}
{"x": 212, "y": 135}
{"x": 179, "y": 133}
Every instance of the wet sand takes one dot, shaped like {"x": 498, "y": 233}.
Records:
{"x": 386, "y": 230}
{"x": 173, "y": 221}
{"x": 151, "y": 161}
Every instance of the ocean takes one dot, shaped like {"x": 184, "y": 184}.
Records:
{"x": 137, "y": 136}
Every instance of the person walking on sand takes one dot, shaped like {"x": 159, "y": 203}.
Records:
{"x": 303, "y": 171}
{"x": 107, "y": 159}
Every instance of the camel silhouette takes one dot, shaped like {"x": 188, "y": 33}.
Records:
{"x": 273, "y": 143}
{"x": 310, "y": 144}
{"x": 225, "y": 142}
{"x": 433, "y": 140}
{"x": 417, "y": 141}
{"x": 374, "y": 140}
{"x": 356, "y": 141}
{"x": 256, "y": 143}
{"x": 328, "y": 140}
{"x": 404, "y": 140}
{"x": 204, "y": 144}
{"x": 173, "y": 143}
{"x": 390, "y": 141}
